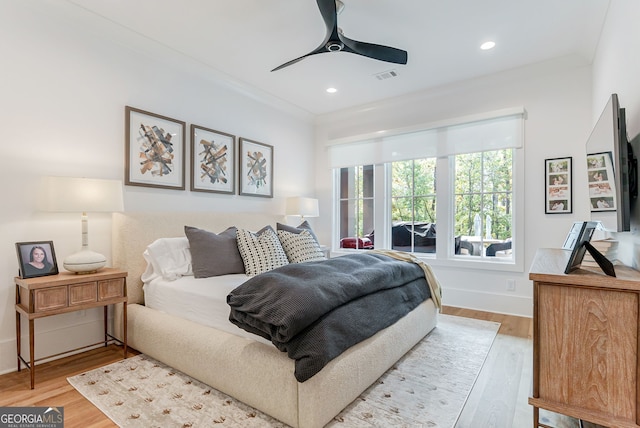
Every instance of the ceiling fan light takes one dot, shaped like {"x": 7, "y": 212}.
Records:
{"x": 334, "y": 46}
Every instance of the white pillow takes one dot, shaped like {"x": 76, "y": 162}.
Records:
{"x": 300, "y": 247}
{"x": 169, "y": 258}
{"x": 260, "y": 251}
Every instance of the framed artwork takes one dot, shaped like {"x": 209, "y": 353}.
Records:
{"x": 602, "y": 185}
{"x": 213, "y": 160}
{"x": 558, "y": 186}
{"x": 256, "y": 168}
{"x": 36, "y": 258}
{"x": 155, "y": 150}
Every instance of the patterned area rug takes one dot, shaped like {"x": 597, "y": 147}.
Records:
{"x": 426, "y": 388}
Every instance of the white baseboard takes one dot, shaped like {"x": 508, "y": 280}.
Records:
{"x": 508, "y": 304}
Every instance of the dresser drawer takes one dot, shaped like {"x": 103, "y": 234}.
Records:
{"x": 110, "y": 289}
{"x": 83, "y": 293}
{"x": 49, "y": 299}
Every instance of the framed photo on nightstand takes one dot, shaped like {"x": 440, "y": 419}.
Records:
{"x": 36, "y": 258}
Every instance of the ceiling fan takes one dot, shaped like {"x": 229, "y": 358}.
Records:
{"x": 335, "y": 41}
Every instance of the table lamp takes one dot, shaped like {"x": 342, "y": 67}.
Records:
{"x": 68, "y": 194}
{"x": 303, "y": 207}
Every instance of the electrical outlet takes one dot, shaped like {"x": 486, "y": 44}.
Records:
{"x": 81, "y": 314}
{"x": 511, "y": 285}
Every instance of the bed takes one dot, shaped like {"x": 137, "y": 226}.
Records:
{"x": 251, "y": 371}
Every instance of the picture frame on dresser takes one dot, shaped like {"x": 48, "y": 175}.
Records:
{"x": 558, "y": 185}
{"x": 578, "y": 242}
{"x": 154, "y": 150}
{"x": 213, "y": 161}
{"x": 256, "y": 168}
{"x": 36, "y": 258}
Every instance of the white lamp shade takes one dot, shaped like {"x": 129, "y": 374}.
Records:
{"x": 68, "y": 194}
{"x": 83, "y": 195}
{"x": 304, "y": 207}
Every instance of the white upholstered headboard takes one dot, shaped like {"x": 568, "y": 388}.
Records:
{"x": 133, "y": 231}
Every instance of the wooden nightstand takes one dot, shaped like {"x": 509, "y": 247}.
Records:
{"x": 68, "y": 292}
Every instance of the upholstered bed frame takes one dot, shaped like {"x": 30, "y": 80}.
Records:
{"x": 252, "y": 372}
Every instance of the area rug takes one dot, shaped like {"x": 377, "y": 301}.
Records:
{"x": 426, "y": 388}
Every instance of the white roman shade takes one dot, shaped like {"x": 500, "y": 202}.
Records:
{"x": 491, "y": 131}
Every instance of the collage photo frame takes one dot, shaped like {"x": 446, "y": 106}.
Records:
{"x": 558, "y": 185}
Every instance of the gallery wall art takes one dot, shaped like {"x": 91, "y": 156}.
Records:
{"x": 154, "y": 150}
{"x": 213, "y": 160}
{"x": 256, "y": 168}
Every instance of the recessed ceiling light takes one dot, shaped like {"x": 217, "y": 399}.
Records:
{"x": 487, "y": 45}
{"x": 332, "y": 90}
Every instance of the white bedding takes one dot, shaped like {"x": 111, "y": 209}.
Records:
{"x": 202, "y": 300}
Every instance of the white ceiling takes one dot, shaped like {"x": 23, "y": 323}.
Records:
{"x": 242, "y": 40}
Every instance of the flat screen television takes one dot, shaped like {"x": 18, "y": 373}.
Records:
{"x": 612, "y": 170}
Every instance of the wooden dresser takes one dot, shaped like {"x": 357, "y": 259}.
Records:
{"x": 585, "y": 341}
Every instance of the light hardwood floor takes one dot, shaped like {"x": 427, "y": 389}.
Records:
{"x": 498, "y": 399}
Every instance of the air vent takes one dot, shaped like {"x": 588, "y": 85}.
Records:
{"x": 386, "y": 75}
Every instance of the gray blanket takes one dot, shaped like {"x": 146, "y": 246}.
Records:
{"x": 314, "y": 311}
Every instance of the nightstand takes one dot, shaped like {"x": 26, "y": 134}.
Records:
{"x": 68, "y": 292}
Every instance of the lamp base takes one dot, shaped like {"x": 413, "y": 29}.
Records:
{"x": 84, "y": 261}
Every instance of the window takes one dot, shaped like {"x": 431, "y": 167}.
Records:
{"x": 356, "y": 206}
{"x": 413, "y": 205}
{"x": 483, "y": 202}
{"x": 457, "y": 179}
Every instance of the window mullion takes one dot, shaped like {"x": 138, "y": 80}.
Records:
{"x": 445, "y": 205}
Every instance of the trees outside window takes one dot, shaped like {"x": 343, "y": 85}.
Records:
{"x": 483, "y": 197}
{"x": 482, "y": 201}
{"x": 413, "y": 204}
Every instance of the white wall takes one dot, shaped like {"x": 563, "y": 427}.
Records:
{"x": 557, "y": 98}
{"x": 616, "y": 69}
{"x": 62, "y": 97}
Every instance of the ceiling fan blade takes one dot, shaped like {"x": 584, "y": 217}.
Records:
{"x": 330, "y": 15}
{"x": 293, "y": 61}
{"x": 371, "y": 50}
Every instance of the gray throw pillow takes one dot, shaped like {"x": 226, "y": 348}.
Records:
{"x": 214, "y": 254}
{"x": 303, "y": 226}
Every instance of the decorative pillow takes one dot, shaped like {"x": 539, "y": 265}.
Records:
{"x": 303, "y": 226}
{"x": 214, "y": 254}
{"x": 169, "y": 258}
{"x": 300, "y": 247}
{"x": 261, "y": 251}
